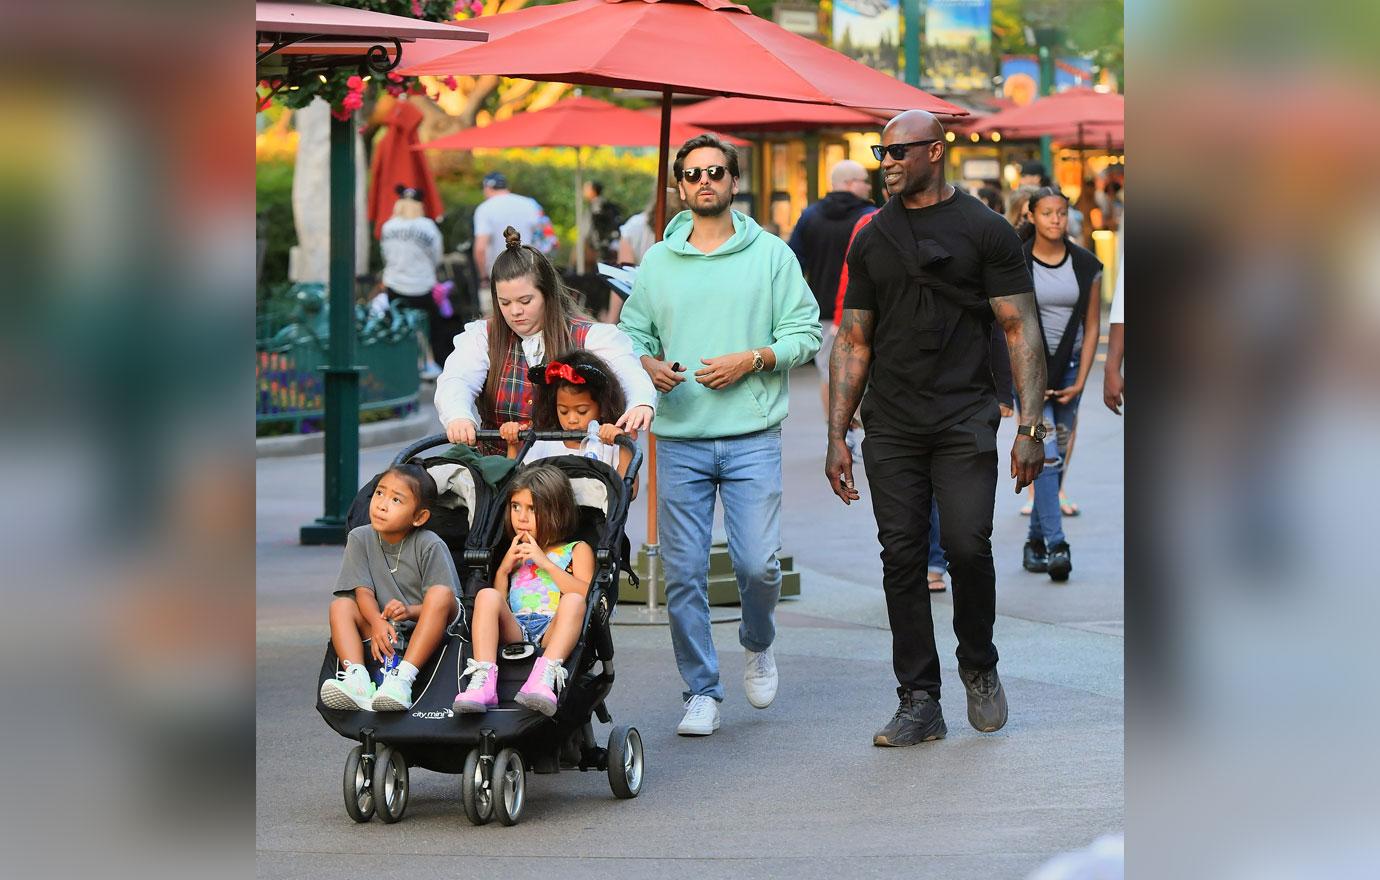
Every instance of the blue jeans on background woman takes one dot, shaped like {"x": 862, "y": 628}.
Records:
{"x": 1046, "y": 519}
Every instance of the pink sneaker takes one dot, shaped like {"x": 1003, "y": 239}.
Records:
{"x": 539, "y": 694}
{"x": 482, "y": 693}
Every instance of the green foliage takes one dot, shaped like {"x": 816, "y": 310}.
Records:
{"x": 273, "y": 204}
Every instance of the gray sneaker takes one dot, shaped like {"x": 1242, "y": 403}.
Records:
{"x": 986, "y": 699}
{"x": 918, "y": 719}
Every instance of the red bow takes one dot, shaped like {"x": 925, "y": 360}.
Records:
{"x": 556, "y": 370}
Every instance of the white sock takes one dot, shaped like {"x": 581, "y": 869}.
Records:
{"x": 407, "y": 672}
{"x": 356, "y": 669}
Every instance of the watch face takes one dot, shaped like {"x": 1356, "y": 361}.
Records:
{"x": 1039, "y": 432}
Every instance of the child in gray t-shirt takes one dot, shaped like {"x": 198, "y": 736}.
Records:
{"x": 394, "y": 571}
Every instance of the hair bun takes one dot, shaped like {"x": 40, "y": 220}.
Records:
{"x": 512, "y": 238}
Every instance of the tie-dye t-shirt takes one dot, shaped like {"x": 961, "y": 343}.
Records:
{"x": 532, "y": 590}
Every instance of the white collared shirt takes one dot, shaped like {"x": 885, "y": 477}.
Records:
{"x": 462, "y": 379}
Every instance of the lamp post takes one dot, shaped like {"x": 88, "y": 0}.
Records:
{"x": 342, "y": 375}
{"x": 1046, "y": 40}
{"x": 911, "y": 10}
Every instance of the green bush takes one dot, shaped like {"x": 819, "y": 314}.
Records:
{"x": 273, "y": 203}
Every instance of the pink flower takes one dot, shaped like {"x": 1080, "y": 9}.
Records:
{"x": 352, "y": 101}
{"x": 395, "y": 91}
{"x": 341, "y": 114}
{"x": 416, "y": 8}
{"x": 354, "y": 83}
{"x": 477, "y": 6}
{"x": 450, "y": 83}
{"x": 395, "y": 77}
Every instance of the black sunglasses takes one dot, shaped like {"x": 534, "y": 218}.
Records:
{"x": 692, "y": 175}
{"x": 898, "y": 151}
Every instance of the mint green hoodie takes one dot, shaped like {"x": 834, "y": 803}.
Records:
{"x": 687, "y": 305}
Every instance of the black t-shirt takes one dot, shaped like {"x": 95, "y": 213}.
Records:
{"x": 928, "y": 273}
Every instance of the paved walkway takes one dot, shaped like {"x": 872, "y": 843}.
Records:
{"x": 794, "y": 790}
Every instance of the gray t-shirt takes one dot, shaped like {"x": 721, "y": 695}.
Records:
{"x": 501, "y": 211}
{"x": 423, "y": 560}
{"x": 1056, "y": 293}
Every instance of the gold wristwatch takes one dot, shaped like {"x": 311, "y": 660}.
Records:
{"x": 1036, "y": 431}
{"x": 758, "y": 362}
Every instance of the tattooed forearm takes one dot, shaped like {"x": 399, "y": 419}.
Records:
{"x": 1016, "y": 314}
{"x": 848, "y": 365}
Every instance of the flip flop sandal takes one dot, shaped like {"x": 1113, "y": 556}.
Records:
{"x": 936, "y": 582}
{"x": 1068, "y": 507}
{"x": 1027, "y": 510}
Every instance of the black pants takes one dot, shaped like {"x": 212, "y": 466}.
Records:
{"x": 959, "y": 466}
{"x": 440, "y": 331}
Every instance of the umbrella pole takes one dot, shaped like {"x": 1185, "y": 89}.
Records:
{"x": 653, "y": 547}
{"x": 579, "y": 212}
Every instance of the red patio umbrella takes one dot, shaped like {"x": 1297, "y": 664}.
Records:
{"x": 574, "y": 122}
{"x": 759, "y": 114}
{"x": 1060, "y": 113}
{"x": 396, "y": 163}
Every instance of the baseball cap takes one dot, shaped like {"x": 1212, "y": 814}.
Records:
{"x": 1033, "y": 168}
{"x": 495, "y": 180}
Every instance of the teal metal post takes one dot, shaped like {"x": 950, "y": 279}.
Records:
{"x": 1046, "y": 88}
{"x": 911, "y": 41}
{"x": 342, "y": 375}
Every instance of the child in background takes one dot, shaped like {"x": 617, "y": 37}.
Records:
{"x": 571, "y": 392}
{"x": 394, "y": 572}
{"x": 538, "y": 594}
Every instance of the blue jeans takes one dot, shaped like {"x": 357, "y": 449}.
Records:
{"x": 937, "y": 561}
{"x": 1046, "y": 519}
{"x": 746, "y": 471}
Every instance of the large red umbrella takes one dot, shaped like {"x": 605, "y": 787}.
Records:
{"x": 575, "y": 122}
{"x": 396, "y": 163}
{"x": 1060, "y": 113}
{"x": 759, "y": 114}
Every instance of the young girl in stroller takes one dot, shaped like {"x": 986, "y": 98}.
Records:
{"x": 394, "y": 572}
{"x": 570, "y": 393}
{"x": 538, "y": 593}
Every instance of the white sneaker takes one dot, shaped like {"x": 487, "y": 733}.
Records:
{"x": 394, "y": 695}
{"x": 701, "y": 716}
{"x": 759, "y": 678}
{"x": 350, "y": 690}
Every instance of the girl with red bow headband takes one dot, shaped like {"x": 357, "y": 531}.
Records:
{"x": 571, "y": 392}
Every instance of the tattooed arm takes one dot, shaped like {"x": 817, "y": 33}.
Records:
{"x": 848, "y": 364}
{"x": 1017, "y": 317}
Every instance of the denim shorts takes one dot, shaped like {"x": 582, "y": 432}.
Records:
{"x": 533, "y": 626}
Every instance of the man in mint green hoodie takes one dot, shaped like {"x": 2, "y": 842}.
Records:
{"x": 727, "y": 299}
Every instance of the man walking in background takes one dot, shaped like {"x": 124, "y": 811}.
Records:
{"x": 820, "y": 241}
{"x": 500, "y": 209}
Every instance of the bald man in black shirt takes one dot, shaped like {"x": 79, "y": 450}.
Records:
{"x": 927, "y": 277}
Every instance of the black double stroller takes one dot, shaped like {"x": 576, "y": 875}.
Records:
{"x": 494, "y": 751}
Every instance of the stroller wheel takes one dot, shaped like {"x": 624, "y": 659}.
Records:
{"x": 509, "y": 786}
{"x": 476, "y": 793}
{"x": 625, "y": 761}
{"x": 390, "y": 784}
{"x": 359, "y": 793}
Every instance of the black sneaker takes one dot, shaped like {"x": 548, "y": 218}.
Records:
{"x": 1060, "y": 562}
{"x": 918, "y": 719}
{"x": 1036, "y": 557}
{"x": 986, "y": 699}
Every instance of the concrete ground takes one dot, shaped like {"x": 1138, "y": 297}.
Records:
{"x": 795, "y": 790}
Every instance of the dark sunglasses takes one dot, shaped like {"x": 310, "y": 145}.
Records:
{"x": 692, "y": 175}
{"x": 898, "y": 151}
